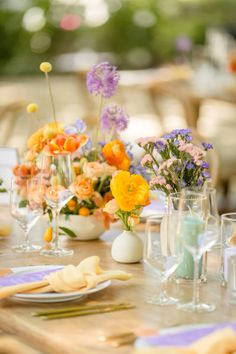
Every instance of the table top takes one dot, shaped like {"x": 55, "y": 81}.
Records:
{"x": 80, "y": 334}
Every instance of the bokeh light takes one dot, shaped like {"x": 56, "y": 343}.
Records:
{"x": 144, "y": 18}
{"x": 70, "y": 22}
{"x": 96, "y": 13}
{"x": 40, "y": 42}
{"x": 34, "y": 19}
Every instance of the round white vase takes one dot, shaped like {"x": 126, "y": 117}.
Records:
{"x": 127, "y": 248}
{"x": 84, "y": 227}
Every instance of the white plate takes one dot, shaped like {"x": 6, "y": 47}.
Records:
{"x": 54, "y": 297}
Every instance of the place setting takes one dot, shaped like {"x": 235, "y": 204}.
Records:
{"x": 112, "y": 244}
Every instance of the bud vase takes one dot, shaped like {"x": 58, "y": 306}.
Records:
{"x": 127, "y": 248}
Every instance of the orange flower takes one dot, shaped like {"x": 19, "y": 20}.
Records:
{"x": 25, "y": 170}
{"x": 39, "y": 139}
{"x": 129, "y": 191}
{"x": 71, "y": 204}
{"x": 82, "y": 187}
{"x": 64, "y": 144}
{"x": 115, "y": 154}
{"x": 84, "y": 211}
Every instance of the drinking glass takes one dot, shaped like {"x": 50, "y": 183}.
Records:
{"x": 198, "y": 232}
{"x": 26, "y": 206}
{"x": 228, "y": 238}
{"x": 162, "y": 253}
{"x": 56, "y": 176}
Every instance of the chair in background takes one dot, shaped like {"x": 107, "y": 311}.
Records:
{"x": 9, "y": 157}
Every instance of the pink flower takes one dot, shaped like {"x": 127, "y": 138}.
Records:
{"x": 157, "y": 180}
{"x": 144, "y": 141}
{"x": 96, "y": 169}
{"x": 146, "y": 159}
{"x": 111, "y": 207}
{"x": 196, "y": 152}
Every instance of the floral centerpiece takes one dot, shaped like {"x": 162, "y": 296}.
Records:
{"x": 174, "y": 162}
{"x": 130, "y": 194}
{"x": 94, "y": 158}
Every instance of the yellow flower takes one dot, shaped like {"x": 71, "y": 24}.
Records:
{"x": 129, "y": 191}
{"x": 45, "y": 67}
{"x": 32, "y": 108}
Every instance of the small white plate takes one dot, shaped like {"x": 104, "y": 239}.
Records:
{"x": 54, "y": 297}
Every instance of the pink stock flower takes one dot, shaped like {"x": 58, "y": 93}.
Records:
{"x": 147, "y": 140}
{"x": 146, "y": 159}
{"x": 157, "y": 180}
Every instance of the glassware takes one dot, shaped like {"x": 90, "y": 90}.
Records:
{"x": 198, "y": 232}
{"x": 231, "y": 279}
{"x": 228, "y": 239}
{"x": 163, "y": 254}
{"x": 56, "y": 175}
{"x": 26, "y": 206}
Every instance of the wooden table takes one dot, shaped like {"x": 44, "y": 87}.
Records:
{"x": 80, "y": 335}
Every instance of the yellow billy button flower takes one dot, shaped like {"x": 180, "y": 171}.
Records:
{"x": 32, "y": 108}
{"x": 45, "y": 67}
{"x": 48, "y": 235}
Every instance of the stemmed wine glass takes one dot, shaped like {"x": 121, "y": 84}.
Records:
{"x": 198, "y": 232}
{"x": 56, "y": 176}
{"x": 26, "y": 206}
{"x": 163, "y": 253}
{"x": 228, "y": 241}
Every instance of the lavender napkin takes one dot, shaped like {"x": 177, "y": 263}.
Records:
{"x": 27, "y": 277}
{"x": 183, "y": 337}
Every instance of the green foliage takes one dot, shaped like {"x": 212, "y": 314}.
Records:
{"x": 68, "y": 232}
{"x": 133, "y": 45}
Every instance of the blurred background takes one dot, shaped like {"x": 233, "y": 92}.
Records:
{"x": 177, "y": 61}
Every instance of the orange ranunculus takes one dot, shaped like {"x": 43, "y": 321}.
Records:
{"x": 129, "y": 191}
{"x": 82, "y": 187}
{"x": 115, "y": 154}
{"x": 64, "y": 144}
{"x": 39, "y": 139}
{"x": 25, "y": 170}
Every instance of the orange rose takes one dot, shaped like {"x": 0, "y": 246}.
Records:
{"x": 115, "y": 154}
{"x": 82, "y": 187}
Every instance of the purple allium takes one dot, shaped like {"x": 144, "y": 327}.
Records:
{"x": 102, "y": 79}
{"x": 207, "y": 146}
{"x": 113, "y": 117}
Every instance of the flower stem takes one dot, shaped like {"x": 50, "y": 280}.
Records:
{"x": 51, "y": 99}
{"x": 98, "y": 121}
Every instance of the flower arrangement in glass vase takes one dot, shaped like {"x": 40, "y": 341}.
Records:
{"x": 174, "y": 162}
{"x": 130, "y": 194}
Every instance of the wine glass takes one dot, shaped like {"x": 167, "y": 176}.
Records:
{"x": 228, "y": 240}
{"x": 198, "y": 232}
{"x": 56, "y": 176}
{"x": 26, "y": 206}
{"x": 162, "y": 252}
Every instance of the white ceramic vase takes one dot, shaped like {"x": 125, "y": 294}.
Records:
{"x": 127, "y": 248}
{"x": 85, "y": 227}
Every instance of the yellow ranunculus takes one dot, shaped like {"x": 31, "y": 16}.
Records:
{"x": 129, "y": 191}
{"x": 45, "y": 67}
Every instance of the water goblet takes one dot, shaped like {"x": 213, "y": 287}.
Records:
{"x": 198, "y": 232}
{"x": 26, "y": 206}
{"x": 228, "y": 239}
{"x": 56, "y": 176}
{"x": 163, "y": 255}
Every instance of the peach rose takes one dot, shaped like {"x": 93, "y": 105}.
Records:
{"x": 93, "y": 169}
{"x": 82, "y": 187}
{"x": 111, "y": 207}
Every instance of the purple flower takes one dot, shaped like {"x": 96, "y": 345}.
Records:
{"x": 206, "y": 174}
{"x": 190, "y": 166}
{"x": 71, "y": 130}
{"x": 199, "y": 182}
{"x": 102, "y": 79}
{"x": 113, "y": 116}
{"x": 80, "y": 125}
{"x": 207, "y": 146}
{"x": 204, "y": 164}
{"x": 160, "y": 145}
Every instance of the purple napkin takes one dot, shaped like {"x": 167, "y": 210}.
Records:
{"x": 182, "y": 338}
{"x": 28, "y": 277}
